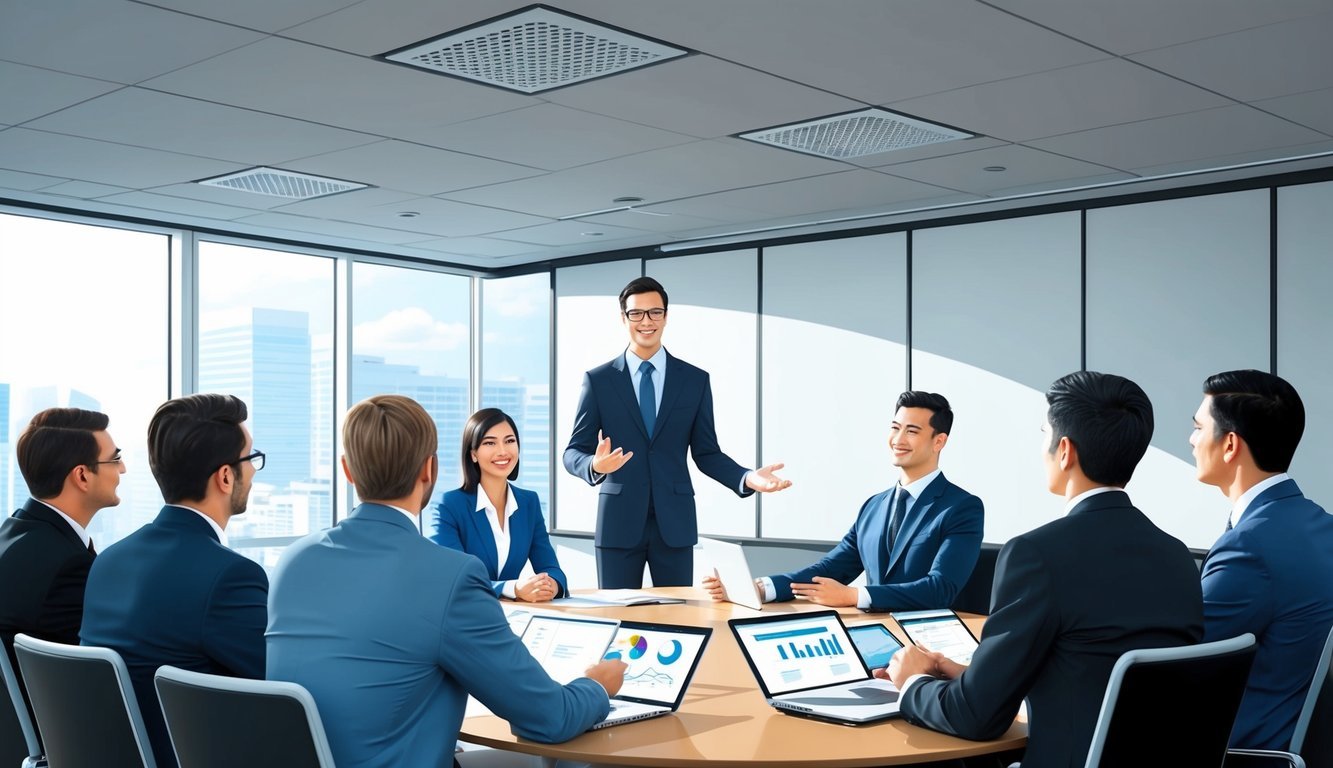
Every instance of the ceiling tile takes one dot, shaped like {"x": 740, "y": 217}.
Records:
{"x": 475, "y": 246}
{"x": 28, "y": 92}
{"x": 326, "y": 231}
{"x": 680, "y": 171}
{"x": 189, "y": 126}
{"x": 372, "y": 28}
{"x": 442, "y": 218}
{"x": 924, "y": 151}
{"x": 1312, "y": 110}
{"x": 178, "y": 205}
{"x": 852, "y": 190}
{"x": 1195, "y": 136}
{"x": 1130, "y": 26}
{"x": 75, "y": 158}
{"x": 264, "y": 15}
{"x": 573, "y": 233}
{"x": 311, "y": 83}
{"x": 221, "y": 196}
{"x": 1065, "y": 100}
{"x": 552, "y": 137}
{"x": 83, "y": 189}
{"x": 966, "y": 173}
{"x": 107, "y": 39}
{"x": 410, "y": 167}
{"x": 652, "y": 220}
{"x": 25, "y": 181}
{"x": 347, "y": 203}
{"x": 1300, "y": 59}
{"x": 702, "y": 96}
{"x": 1323, "y": 147}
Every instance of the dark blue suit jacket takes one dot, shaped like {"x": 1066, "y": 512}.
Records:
{"x": 170, "y": 593}
{"x": 932, "y": 558}
{"x": 1273, "y": 575}
{"x": 390, "y": 633}
{"x": 1070, "y": 597}
{"x": 658, "y": 471}
{"x": 458, "y": 524}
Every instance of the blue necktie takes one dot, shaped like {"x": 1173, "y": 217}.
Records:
{"x": 900, "y": 498}
{"x": 647, "y": 396}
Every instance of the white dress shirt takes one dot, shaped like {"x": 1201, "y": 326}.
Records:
{"x": 501, "y": 534}
{"x": 1247, "y": 498}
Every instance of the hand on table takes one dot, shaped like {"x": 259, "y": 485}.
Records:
{"x": 826, "y": 591}
{"x": 537, "y": 589}
{"x": 915, "y": 660}
{"x": 609, "y": 674}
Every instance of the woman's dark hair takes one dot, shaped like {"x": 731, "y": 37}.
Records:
{"x": 476, "y": 428}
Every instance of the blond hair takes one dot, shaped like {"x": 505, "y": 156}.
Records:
{"x": 386, "y": 440}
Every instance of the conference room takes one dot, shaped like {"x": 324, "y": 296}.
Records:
{"x": 308, "y": 203}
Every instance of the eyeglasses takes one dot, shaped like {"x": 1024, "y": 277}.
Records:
{"x": 635, "y": 315}
{"x": 116, "y": 458}
{"x": 256, "y": 460}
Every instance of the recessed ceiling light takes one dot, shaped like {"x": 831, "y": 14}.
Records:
{"x": 592, "y": 234}
{"x": 994, "y": 168}
{"x": 285, "y": 184}
{"x": 855, "y": 134}
{"x": 408, "y": 214}
{"x": 627, "y": 199}
{"x": 533, "y": 50}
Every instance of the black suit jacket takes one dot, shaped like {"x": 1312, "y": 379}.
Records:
{"x": 1070, "y": 597}
{"x": 43, "y": 567}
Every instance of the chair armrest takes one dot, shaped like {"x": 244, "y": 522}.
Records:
{"x": 1261, "y": 758}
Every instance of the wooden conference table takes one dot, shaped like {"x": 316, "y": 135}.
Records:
{"x": 724, "y": 720}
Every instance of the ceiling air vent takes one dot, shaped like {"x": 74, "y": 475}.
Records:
{"x": 534, "y": 50}
{"x": 868, "y": 132}
{"x": 285, "y": 184}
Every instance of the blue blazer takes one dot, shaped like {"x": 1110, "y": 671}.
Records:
{"x": 457, "y": 524}
{"x": 658, "y": 471}
{"x": 1273, "y": 575}
{"x": 937, "y": 547}
{"x": 390, "y": 632}
{"x": 170, "y": 593}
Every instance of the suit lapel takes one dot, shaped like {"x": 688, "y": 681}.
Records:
{"x": 671, "y": 388}
{"x": 624, "y": 386}
{"x": 36, "y": 510}
{"x": 481, "y": 531}
{"x": 920, "y": 510}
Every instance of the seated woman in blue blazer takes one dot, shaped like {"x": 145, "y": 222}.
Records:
{"x": 498, "y": 523}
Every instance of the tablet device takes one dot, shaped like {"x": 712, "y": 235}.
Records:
{"x": 732, "y": 570}
{"x": 939, "y": 630}
{"x": 874, "y": 643}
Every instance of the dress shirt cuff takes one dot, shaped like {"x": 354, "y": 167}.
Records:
{"x": 770, "y": 591}
{"x": 911, "y": 681}
{"x": 744, "y": 478}
{"x": 863, "y": 598}
{"x": 509, "y": 591}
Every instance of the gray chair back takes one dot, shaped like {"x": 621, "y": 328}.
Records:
{"x": 1313, "y": 737}
{"x": 975, "y": 595}
{"x": 18, "y": 737}
{"x": 1172, "y": 706}
{"x": 279, "y": 721}
{"x": 84, "y": 705}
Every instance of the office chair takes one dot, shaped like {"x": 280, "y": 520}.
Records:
{"x": 84, "y": 705}
{"x": 18, "y": 737}
{"x": 974, "y": 597}
{"x": 1172, "y": 706}
{"x": 279, "y": 722}
{"x": 1312, "y": 741}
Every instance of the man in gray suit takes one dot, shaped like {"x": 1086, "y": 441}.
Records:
{"x": 390, "y": 632}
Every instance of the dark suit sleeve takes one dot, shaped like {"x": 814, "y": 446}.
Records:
{"x": 480, "y": 651}
{"x": 957, "y": 556}
{"x": 708, "y": 455}
{"x": 62, "y": 611}
{"x": 583, "y": 441}
{"x": 1236, "y": 590}
{"x": 843, "y": 563}
{"x": 233, "y": 631}
{"x": 982, "y": 702}
{"x": 541, "y": 554}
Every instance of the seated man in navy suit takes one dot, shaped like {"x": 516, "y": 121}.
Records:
{"x": 1271, "y": 571}
{"x": 917, "y": 542}
{"x": 390, "y": 632}
{"x": 173, "y": 592}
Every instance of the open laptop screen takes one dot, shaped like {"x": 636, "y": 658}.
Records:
{"x": 661, "y": 660}
{"x": 566, "y": 646}
{"x": 795, "y": 652}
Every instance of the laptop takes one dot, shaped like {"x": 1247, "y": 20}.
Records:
{"x": 807, "y": 666}
{"x": 662, "y": 659}
{"x": 733, "y": 570}
{"x": 566, "y": 646}
{"x": 938, "y": 630}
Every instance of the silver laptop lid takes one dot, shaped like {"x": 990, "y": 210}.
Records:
{"x": 733, "y": 570}
{"x": 798, "y": 652}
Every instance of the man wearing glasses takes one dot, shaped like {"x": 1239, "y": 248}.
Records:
{"x": 72, "y": 468}
{"x": 653, "y": 408}
{"x": 173, "y": 592}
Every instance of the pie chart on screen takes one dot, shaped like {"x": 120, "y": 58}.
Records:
{"x": 638, "y": 646}
{"x": 671, "y": 654}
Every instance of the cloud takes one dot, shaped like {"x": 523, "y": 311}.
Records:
{"x": 518, "y": 296}
{"x": 408, "y": 330}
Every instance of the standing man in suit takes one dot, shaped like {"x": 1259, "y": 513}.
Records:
{"x": 1271, "y": 572}
{"x": 1071, "y": 596}
{"x": 917, "y": 541}
{"x": 390, "y": 632}
{"x": 173, "y": 592}
{"x": 656, "y": 406}
{"x": 72, "y": 468}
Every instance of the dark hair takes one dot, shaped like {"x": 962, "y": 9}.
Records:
{"x": 941, "y": 415}
{"x": 642, "y": 285}
{"x": 55, "y": 442}
{"x": 192, "y": 437}
{"x": 1263, "y": 409}
{"x": 476, "y": 428}
{"x": 1109, "y": 420}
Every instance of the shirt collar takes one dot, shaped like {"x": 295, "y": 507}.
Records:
{"x": 79, "y": 529}
{"x": 918, "y": 486}
{"x": 222, "y": 534}
{"x": 1247, "y": 498}
{"x": 484, "y": 502}
{"x": 414, "y": 519}
{"x": 633, "y": 361}
{"x": 1088, "y": 494}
